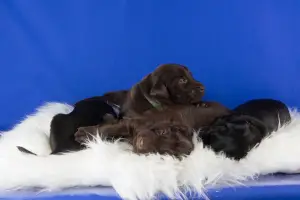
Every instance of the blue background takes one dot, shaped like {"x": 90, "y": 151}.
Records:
{"x": 67, "y": 50}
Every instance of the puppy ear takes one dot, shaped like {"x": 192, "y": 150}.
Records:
{"x": 155, "y": 87}
{"x": 159, "y": 90}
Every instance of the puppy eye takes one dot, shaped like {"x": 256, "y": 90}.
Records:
{"x": 182, "y": 81}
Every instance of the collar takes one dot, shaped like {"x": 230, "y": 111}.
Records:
{"x": 156, "y": 104}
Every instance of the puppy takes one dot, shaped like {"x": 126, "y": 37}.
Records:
{"x": 167, "y": 85}
{"x": 165, "y": 132}
{"x": 236, "y": 134}
{"x": 87, "y": 112}
{"x": 272, "y": 113}
{"x": 165, "y": 137}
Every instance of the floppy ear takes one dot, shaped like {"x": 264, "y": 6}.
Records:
{"x": 159, "y": 90}
{"x": 156, "y": 88}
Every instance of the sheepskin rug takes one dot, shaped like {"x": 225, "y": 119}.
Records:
{"x": 133, "y": 176}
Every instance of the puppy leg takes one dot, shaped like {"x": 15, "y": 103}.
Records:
{"x": 109, "y": 131}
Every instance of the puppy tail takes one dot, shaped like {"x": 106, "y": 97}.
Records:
{"x": 22, "y": 149}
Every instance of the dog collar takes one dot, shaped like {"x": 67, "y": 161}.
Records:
{"x": 156, "y": 104}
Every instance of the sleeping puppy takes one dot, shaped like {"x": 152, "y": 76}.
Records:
{"x": 87, "y": 112}
{"x": 164, "y": 137}
{"x": 272, "y": 113}
{"x": 167, "y": 85}
{"x": 164, "y": 132}
{"x": 236, "y": 134}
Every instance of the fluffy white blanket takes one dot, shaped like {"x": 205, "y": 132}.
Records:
{"x": 133, "y": 176}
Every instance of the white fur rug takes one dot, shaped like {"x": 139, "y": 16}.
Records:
{"x": 134, "y": 176}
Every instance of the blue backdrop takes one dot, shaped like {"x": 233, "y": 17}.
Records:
{"x": 63, "y": 50}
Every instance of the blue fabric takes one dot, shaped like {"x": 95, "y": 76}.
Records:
{"x": 71, "y": 49}
{"x": 276, "y": 187}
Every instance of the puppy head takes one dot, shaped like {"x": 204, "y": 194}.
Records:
{"x": 235, "y": 135}
{"x": 173, "y": 83}
{"x": 164, "y": 138}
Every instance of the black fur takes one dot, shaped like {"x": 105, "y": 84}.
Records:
{"x": 22, "y": 149}
{"x": 236, "y": 134}
{"x": 88, "y": 112}
{"x": 272, "y": 113}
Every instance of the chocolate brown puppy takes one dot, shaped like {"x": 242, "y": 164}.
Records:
{"x": 165, "y": 137}
{"x": 167, "y": 85}
{"x": 165, "y": 132}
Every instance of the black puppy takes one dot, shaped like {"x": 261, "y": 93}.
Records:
{"x": 236, "y": 134}
{"x": 273, "y": 113}
{"x": 87, "y": 112}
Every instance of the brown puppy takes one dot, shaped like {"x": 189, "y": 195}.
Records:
{"x": 165, "y": 132}
{"x": 165, "y": 137}
{"x": 167, "y": 85}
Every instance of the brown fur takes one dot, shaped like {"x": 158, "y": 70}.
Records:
{"x": 168, "y": 84}
{"x": 167, "y": 132}
{"x": 116, "y": 97}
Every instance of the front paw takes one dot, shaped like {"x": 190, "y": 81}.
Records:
{"x": 84, "y": 134}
